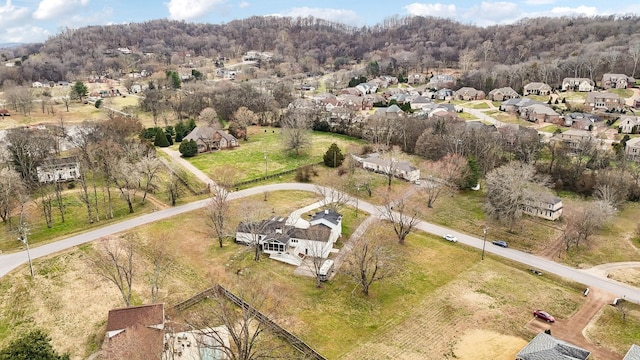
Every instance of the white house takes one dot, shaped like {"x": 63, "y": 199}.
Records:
{"x": 58, "y": 170}
{"x": 545, "y": 206}
{"x": 578, "y": 84}
{"x": 400, "y": 169}
{"x": 628, "y": 124}
{"x": 289, "y": 242}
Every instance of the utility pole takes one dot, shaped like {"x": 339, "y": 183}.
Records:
{"x": 23, "y": 231}
{"x": 484, "y": 240}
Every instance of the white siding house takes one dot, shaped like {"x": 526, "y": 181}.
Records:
{"x": 400, "y": 169}
{"x": 58, "y": 170}
{"x": 545, "y": 206}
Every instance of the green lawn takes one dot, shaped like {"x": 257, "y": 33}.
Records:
{"x": 552, "y": 128}
{"x": 623, "y": 93}
{"x": 467, "y": 116}
{"x": 249, "y": 159}
{"x": 477, "y": 105}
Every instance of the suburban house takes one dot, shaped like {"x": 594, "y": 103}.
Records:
{"x": 629, "y": 124}
{"x": 135, "y": 330}
{"x": 617, "y": 81}
{"x": 469, "y": 93}
{"x": 290, "y": 240}
{"x": 574, "y": 137}
{"x": 539, "y": 113}
{"x": 503, "y": 94}
{"x": 391, "y": 112}
{"x": 578, "y": 84}
{"x": 633, "y": 353}
{"x": 400, "y": 169}
{"x": 632, "y": 149}
{"x": 545, "y": 346}
{"x": 420, "y": 102}
{"x": 536, "y": 88}
{"x": 58, "y": 170}
{"x": 209, "y": 139}
{"x": 441, "y": 81}
{"x": 444, "y": 94}
{"x": 515, "y": 104}
{"x": 582, "y": 121}
{"x": 415, "y": 79}
{"x": 604, "y": 101}
{"x": 546, "y": 206}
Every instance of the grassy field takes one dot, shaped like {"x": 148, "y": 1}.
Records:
{"x": 473, "y": 297}
{"x": 267, "y": 142}
{"x": 467, "y": 116}
{"x": 611, "y": 331}
{"x": 552, "y": 128}
{"x": 480, "y": 105}
{"x": 623, "y": 93}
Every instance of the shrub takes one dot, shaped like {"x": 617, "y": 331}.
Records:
{"x": 333, "y": 157}
{"x": 188, "y": 148}
{"x": 304, "y": 173}
{"x": 161, "y": 138}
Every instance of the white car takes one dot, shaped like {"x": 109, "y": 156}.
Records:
{"x": 450, "y": 237}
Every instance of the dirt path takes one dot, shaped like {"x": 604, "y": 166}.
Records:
{"x": 572, "y": 329}
{"x": 553, "y": 250}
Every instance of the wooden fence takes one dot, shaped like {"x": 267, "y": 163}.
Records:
{"x": 296, "y": 342}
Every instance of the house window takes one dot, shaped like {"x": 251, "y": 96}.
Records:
{"x": 294, "y": 241}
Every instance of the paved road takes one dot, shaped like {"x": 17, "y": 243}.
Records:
{"x": 9, "y": 262}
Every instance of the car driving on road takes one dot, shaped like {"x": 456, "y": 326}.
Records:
{"x": 450, "y": 237}
{"x": 501, "y": 243}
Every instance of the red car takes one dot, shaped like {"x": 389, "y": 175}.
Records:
{"x": 543, "y": 315}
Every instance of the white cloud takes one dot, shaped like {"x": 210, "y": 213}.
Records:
{"x": 494, "y": 12}
{"x": 580, "y": 10}
{"x": 191, "y": 9}
{"x": 539, "y": 2}
{"x": 12, "y": 14}
{"x": 50, "y": 9}
{"x": 243, "y": 4}
{"x": 344, "y": 16}
{"x": 24, "y": 34}
{"x": 427, "y": 9}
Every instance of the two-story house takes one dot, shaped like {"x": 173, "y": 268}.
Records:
{"x": 539, "y": 113}
{"x": 545, "y": 206}
{"x": 629, "y": 124}
{"x": 617, "y": 81}
{"x": 632, "y": 149}
{"x": 604, "y": 101}
{"x": 58, "y": 170}
{"x": 574, "y": 137}
{"x": 578, "y": 84}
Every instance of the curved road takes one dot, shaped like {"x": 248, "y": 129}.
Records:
{"x": 8, "y": 262}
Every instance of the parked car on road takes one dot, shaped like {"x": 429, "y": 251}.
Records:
{"x": 450, "y": 237}
{"x": 543, "y": 315}
{"x": 537, "y": 272}
{"x": 501, "y": 243}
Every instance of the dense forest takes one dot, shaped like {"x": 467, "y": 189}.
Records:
{"x": 544, "y": 49}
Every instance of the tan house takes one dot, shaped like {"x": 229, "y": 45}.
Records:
{"x": 578, "y": 84}
{"x": 503, "y": 94}
{"x": 574, "y": 137}
{"x": 468, "y": 94}
{"x": 545, "y": 206}
{"x": 629, "y": 123}
{"x": 604, "y": 101}
{"x": 539, "y": 113}
{"x": 536, "y": 88}
{"x": 400, "y": 169}
{"x": 632, "y": 149}
{"x": 617, "y": 81}
{"x": 209, "y": 139}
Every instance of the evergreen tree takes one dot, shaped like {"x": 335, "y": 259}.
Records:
{"x": 188, "y": 148}
{"x": 333, "y": 157}
{"x": 79, "y": 90}
{"x": 191, "y": 124}
{"x": 181, "y": 131}
{"x": 161, "y": 138}
{"x": 33, "y": 345}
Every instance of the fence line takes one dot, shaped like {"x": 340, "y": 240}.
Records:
{"x": 271, "y": 176}
{"x": 296, "y": 342}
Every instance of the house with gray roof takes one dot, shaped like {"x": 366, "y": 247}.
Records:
{"x": 502, "y": 94}
{"x": 617, "y": 81}
{"x": 598, "y": 100}
{"x": 209, "y": 139}
{"x": 546, "y": 347}
{"x": 399, "y": 169}
{"x": 539, "y": 113}
{"x": 580, "y": 120}
{"x": 578, "y": 84}
{"x": 536, "y": 88}
{"x": 632, "y": 149}
{"x": 515, "y": 104}
{"x": 468, "y": 94}
{"x": 441, "y": 81}
{"x": 420, "y": 102}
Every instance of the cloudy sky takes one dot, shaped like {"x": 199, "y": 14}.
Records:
{"x": 36, "y": 20}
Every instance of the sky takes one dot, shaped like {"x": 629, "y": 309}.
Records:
{"x": 36, "y": 20}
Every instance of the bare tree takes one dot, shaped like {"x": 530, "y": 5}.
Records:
{"x": 634, "y": 53}
{"x": 334, "y": 194}
{"x": 126, "y": 177}
{"x": 174, "y": 189}
{"x": 254, "y": 224}
{"x": 148, "y": 167}
{"x": 245, "y": 118}
{"x": 11, "y": 186}
{"x": 161, "y": 263}
{"x": 238, "y": 332}
{"x": 509, "y": 187}
{"x": 401, "y": 217}
{"x": 114, "y": 262}
{"x": 210, "y": 116}
{"x": 444, "y": 176}
{"x": 584, "y": 222}
{"x": 218, "y": 207}
{"x": 370, "y": 260}
{"x": 296, "y": 129}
